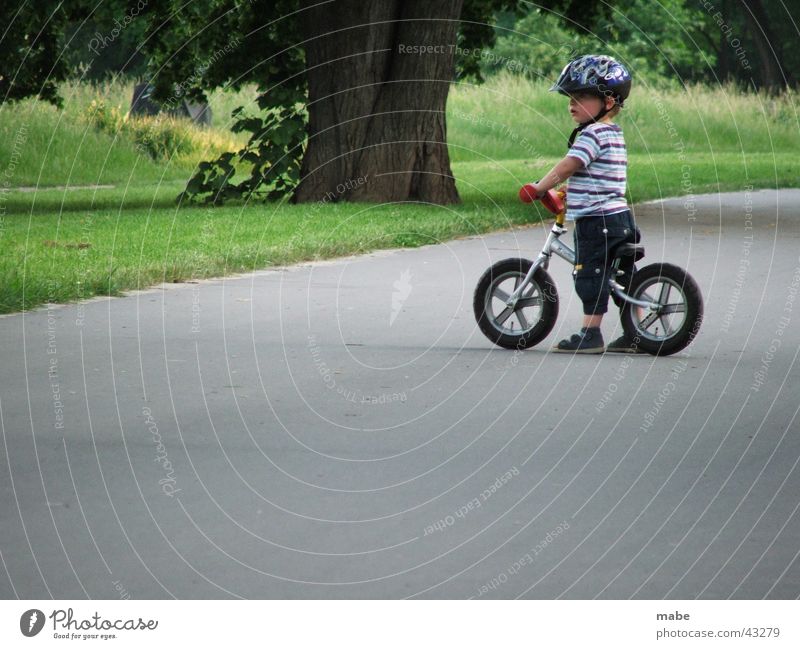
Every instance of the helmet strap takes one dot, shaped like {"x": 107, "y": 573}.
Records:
{"x": 582, "y": 126}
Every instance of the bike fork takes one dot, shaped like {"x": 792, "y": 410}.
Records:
{"x": 551, "y": 246}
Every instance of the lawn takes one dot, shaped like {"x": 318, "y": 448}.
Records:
{"x": 59, "y": 245}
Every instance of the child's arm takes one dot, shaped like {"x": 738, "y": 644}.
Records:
{"x": 563, "y": 170}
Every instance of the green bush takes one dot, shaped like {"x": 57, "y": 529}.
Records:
{"x": 161, "y": 137}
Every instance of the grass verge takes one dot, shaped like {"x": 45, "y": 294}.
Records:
{"x": 59, "y": 246}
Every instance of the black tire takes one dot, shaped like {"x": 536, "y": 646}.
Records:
{"x": 663, "y": 333}
{"x": 534, "y": 318}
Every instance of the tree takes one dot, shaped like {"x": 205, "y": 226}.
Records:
{"x": 378, "y": 77}
{"x": 352, "y": 95}
{"x": 32, "y": 39}
{"x": 775, "y": 74}
{"x": 374, "y": 78}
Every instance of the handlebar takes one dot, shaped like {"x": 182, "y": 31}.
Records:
{"x": 552, "y": 200}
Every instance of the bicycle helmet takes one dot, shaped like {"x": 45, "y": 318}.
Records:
{"x": 598, "y": 74}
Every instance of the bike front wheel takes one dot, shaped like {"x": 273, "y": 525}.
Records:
{"x": 527, "y": 322}
{"x": 676, "y": 321}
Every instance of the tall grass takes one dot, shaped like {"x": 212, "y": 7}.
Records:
{"x": 49, "y": 147}
{"x": 511, "y": 117}
{"x": 508, "y": 118}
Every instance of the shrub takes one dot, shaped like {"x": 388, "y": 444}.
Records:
{"x": 161, "y": 137}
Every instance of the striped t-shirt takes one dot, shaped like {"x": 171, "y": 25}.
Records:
{"x": 598, "y": 187}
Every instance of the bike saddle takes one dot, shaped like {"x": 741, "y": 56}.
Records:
{"x": 628, "y": 249}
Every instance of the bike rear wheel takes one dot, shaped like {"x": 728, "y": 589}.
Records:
{"x": 675, "y": 323}
{"x": 529, "y": 321}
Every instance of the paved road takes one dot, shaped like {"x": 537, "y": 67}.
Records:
{"x": 343, "y": 430}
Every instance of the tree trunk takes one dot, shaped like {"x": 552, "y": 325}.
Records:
{"x": 770, "y": 54}
{"x": 724, "y": 71}
{"x": 377, "y": 127}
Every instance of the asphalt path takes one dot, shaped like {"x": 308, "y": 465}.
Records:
{"x": 342, "y": 429}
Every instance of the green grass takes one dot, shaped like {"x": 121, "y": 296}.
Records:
{"x": 511, "y": 118}
{"x": 61, "y": 147}
{"x": 62, "y": 245}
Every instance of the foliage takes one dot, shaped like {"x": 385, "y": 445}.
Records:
{"x": 669, "y": 41}
{"x": 651, "y": 38}
{"x": 197, "y": 48}
{"x": 273, "y": 153}
{"x": 276, "y": 145}
{"x": 160, "y": 136}
{"x": 105, "y": 39}
{"x": 31, "y": 41}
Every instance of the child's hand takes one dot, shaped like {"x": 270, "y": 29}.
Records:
{"x": 529, "y": 193}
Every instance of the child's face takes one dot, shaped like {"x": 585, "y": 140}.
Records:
{"x": 583, "y": 107}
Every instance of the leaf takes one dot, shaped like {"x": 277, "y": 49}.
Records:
{"x": 195, "y": 184}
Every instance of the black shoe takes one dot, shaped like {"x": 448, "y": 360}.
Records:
{"x": 623, "y": 345}
{"x": 588, "y": 341}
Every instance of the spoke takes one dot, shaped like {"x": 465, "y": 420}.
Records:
{"x": 648, "y": 320}
{"x": 523, "y": 322}
{"x": 664, "y": 295}
{"x": 530, "y": 301}
{"x": 500, "y": 294}
{"x": 678, "y": 307}
{"x": 665, "y": 323}
{"x": 503, "y": 315}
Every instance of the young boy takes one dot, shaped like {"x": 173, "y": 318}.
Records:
{"x": 596, "y": 164}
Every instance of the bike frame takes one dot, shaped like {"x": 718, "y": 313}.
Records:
{"x": 554, "y": 246}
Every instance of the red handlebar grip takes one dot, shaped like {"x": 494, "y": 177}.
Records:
{"x": 527, "y": 194}
{"x": 550, "y": 199}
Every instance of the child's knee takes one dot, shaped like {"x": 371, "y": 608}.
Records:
{"x": 591, "y": 289}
